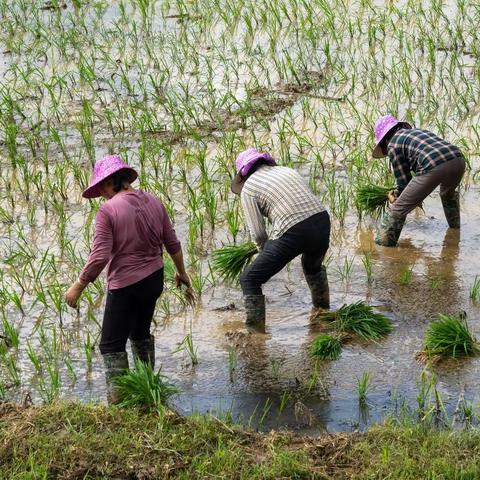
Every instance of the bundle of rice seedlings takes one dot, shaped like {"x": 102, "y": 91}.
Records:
{"x": 231, "y": 260}
{"x": 372, "y": 199}
{"x": 360, "y": 319}
{"x": 326, "y": 347}
{"x": 448, "y": 336}
{"x": 142, "y": 387}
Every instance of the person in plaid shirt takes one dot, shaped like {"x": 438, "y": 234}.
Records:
{"x": 432, "y": 160}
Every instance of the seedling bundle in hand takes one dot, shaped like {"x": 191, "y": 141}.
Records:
{"x": 357, "y": 318}
{"x": 372, "y": 199}
{"x": 448, "y": 336}
{"x": 231, "y": 260}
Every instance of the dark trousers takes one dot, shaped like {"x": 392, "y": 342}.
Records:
{"x": 129, "y": 312}
{"x": 310, "y": 238}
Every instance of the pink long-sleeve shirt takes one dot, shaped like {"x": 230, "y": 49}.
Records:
{"x": 130, "y": 231}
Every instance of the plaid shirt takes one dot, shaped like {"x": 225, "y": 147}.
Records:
{"x": 415, "y": 150}
{"x": 281, "y": 195}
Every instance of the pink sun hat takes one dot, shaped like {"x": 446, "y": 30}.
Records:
{"x": 382, "y": 127}
{"x": 244, "y": 163}
{"x": 103, "y": 168}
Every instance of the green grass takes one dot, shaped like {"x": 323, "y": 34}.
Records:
{"x": 326, "y": 347}
{"x": 77, "y": 441}
{"x": 360, "y": 319}
{"x": 231, "y": 260}
{"x": 449, "y": 336}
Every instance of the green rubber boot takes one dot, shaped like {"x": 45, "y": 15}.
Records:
{"x": 116, "y": 364}
{"x": 318, "y": 284}
{"x": 144, "y": 350}
{"x": 255, "y": 310}
{"x": 390, "y": 229}
{"x": 451, "y": 208}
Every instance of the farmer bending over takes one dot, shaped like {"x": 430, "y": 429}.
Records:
{"x": 434, "y": 162}
{"x": 300, "y": 225}
{"x": 131, "y": 228}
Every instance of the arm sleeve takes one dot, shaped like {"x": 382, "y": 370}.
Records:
{"x": 101, "y": 249}
{"x": 254, "y": 219}
{"x": 170, "y": 240}
{"x": 401, "y": 168}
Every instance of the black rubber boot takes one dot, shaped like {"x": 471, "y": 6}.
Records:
{"x": 144, "y": 350}
{"x": 116, "y": 364}
{"x": 451, "y": 208}
{"x": 390, "y": 229}
{"x": 255, "y": 311}
{"x": 318, "y": 284}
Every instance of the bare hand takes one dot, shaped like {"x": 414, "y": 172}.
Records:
{"x": 184, "y": 279}
{"x": 392, "y": 196}
{"x": 73, "y": 294}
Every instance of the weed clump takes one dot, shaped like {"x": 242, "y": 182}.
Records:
{"x": 448, "y": 336}
{"x": 326, "y": 347}
{"x": 231, "y": 260}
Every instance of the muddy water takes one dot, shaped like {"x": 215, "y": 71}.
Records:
{"x": 275, "y": 367}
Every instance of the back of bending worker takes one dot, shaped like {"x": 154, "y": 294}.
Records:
{"x": 300, "y": 225}
{"x": 433, "y": 160}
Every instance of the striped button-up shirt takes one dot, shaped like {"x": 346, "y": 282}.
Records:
{"x": 415, "y": 150}
{"x": 281, "y": 195}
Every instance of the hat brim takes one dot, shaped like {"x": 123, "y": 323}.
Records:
{"x": 377, "y": 152}
{"x": 93, "y": 191}
{"x": 237, "y": 183}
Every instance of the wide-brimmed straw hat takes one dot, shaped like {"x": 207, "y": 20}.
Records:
{"x": 382, "y": 127}
{"x": 103, "y": 169}
{"x": 244, "y": 163}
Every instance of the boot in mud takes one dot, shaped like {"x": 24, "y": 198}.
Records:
{"x": 390, "y": 229}
{"x": 144, "y": 350}
{"x": 255, "y": 310}
{"x": 318, "y": 284}
{"x": 116, "y": 364}
{"x": 451, "y": 208}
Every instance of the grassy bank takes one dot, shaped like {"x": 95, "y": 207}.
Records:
{"x": 74, "y": 441}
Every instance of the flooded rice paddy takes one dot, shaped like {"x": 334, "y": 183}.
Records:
{"x": 179, "y": 89}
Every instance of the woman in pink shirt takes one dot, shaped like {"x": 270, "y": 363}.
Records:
{"x": 131, "y": 229}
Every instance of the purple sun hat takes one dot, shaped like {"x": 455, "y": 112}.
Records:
{"x": 382, "y": 127}
{"x": 103, "y": 168}
{"x": 244, "y": 163}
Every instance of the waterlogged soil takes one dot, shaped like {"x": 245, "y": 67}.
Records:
{"x": 271, "y": 384}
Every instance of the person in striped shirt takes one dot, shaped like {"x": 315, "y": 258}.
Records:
{"x": 433, "y": 162}
{"x": 300, "y": 225}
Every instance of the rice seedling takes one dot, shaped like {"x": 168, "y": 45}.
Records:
{"x": 448, "y": 336}
{"x": 367, "y": 262}
{"x": 142, "y": 387}
{"x": 326, "y": 347}
{"x": 186, "y": 345}
{"x": 232, "y": 362}
{"x": 406, "y": 275}
{"x": 360, "y": 319}
{"x": 284, "y": 401}
{"x": 275, "y": 365}
{"x": 363, "y": 384}
{"x": 372, "y": 199}
{"x": 231, "y": 260}
{"x": 475, "y": 289}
